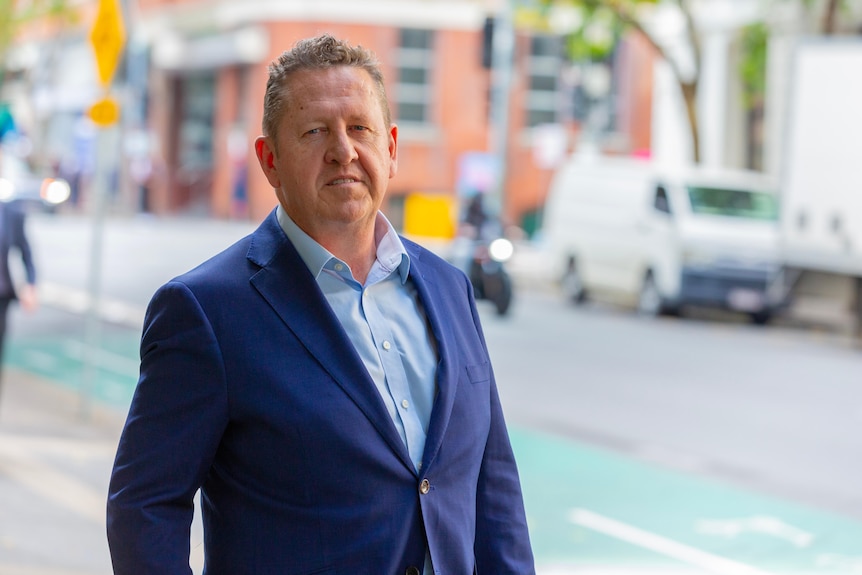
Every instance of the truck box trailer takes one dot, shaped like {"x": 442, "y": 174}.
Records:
{"x": 820, "y": 182}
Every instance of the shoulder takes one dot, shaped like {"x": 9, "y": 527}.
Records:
{"x": 241, "y": 259}
{"x": 427, "y": 259}
{"x": 230, "y": 262}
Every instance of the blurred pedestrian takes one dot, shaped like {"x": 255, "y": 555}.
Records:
{"x": 324, "y": 382}
{"x": 13, "y": 236}
{"x": 475, "y": 217}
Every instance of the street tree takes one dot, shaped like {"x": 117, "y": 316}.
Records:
{"x": 832, "y": 10}
{"x": 599, "y": 24}
{"x": 17, "y": 15}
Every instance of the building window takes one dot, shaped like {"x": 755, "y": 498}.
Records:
{"x": 415, "y": 59}
{"x": 195, "y": 152}
{"x": 543, "y": 80}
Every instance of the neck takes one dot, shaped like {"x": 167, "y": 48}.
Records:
{"x": 358, "y": 250}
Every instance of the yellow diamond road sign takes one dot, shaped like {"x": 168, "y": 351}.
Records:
{"x": 107, "y": 38}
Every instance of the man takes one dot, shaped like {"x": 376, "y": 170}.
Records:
{"x": 13, "y": 236}
{"x": 324, "y": 382}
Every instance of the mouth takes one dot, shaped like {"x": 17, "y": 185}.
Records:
{"x": 343, "y": 181}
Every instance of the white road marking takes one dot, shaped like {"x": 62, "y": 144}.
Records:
{"x": 9, "y": 569}
{"x": 662, "y": 545}
{"x": 20, "y": 466}
{"x": 78, "y": 301}
{"x": 773, "y": 526}
{"x": 77, "y": 449}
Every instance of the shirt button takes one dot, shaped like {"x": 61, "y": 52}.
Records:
{"x": 338, "y": 267}
{"x": 412, "y": 571}
{"x": 405, "y": 404}
{"x": 424, "y": 487}
{"x": 387, "y": 345}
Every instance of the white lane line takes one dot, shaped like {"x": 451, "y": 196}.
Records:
{"x": 77, "y": 301}
{"x": 10, "y": 569}
{"x": 61, "y": 488}
{"x": 76, "y": 449}
{"x": 662, "y": 545}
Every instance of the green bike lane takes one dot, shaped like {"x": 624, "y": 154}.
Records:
{"x": 106, "y": 375}
{"x": 591, "y": 511}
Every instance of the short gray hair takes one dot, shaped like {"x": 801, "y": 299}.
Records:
{"x": 317, "y": 53}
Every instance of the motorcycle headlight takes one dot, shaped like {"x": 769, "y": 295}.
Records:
{"x": 501, "y": 250}
{"x": 7, "y": 190}
{"x": 55, "y": 191}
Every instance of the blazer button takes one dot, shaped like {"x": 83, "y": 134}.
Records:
{"x": 424, "y": 488}
{"x": 412, "y": 571}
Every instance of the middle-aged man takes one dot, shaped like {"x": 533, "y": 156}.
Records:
{"x": 323, "y": 382}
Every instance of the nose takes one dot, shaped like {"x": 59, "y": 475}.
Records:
{"x": 340, "y": 148}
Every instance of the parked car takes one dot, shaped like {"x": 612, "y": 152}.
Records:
{"x": 19, "y": 183}
{"x": 661, "y": 238}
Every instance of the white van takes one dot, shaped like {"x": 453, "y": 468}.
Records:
{"x": 631, "y": 231}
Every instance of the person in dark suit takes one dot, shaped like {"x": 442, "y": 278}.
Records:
{"x": 324, "y": 382}
{"x": 13, "y": 236}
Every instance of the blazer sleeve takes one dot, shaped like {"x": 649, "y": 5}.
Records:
{"x": 177, "y": 416}
{"x": 502, "y": 544}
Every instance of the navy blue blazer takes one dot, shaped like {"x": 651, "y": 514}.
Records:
{"x": 251, "y": 391}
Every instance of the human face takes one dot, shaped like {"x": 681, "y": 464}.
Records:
{"x": 333, "y": 156}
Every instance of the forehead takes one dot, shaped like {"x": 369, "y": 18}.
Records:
{"x": 329, "y": 89}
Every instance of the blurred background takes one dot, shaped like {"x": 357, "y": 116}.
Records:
{"x": 674, "y": 312}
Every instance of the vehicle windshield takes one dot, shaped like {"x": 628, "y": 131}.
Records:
{"x": 733, "y": 203}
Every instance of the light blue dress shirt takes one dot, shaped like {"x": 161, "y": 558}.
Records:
{"x": 387, "y": 326}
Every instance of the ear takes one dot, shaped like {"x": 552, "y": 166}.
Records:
{"x": 266, "y": 156}
{"x": 393, "y": 150}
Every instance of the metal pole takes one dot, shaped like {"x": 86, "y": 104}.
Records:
{"x": 503, "y": 49}
{"x": 105, "y": 154}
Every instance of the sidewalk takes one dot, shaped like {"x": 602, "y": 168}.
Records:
{"x": 55, "y": 463}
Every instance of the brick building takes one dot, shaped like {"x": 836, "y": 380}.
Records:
{"x": 194, "y": 75}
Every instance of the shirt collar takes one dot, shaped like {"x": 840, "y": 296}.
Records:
{"x": 391, "y": 253}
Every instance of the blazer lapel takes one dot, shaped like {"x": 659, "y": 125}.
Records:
{"x": 447, "y": 376}
{"x": 292, "y": 292}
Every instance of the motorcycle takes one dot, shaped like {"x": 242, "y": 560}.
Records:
{"x": 482, "y": 250}
{"x": 485, "y": 266}
{"x": 488, "y": 273}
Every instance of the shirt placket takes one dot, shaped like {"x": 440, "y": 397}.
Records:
{"x": 396, "y": 383}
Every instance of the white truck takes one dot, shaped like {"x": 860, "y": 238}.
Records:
{"x": 662, "y": 238}
{"x": 820, "y": 183}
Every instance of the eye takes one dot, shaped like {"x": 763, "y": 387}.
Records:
{"x": 361, "y": 128}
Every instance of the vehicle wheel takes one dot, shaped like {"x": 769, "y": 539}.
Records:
{"x": 475, "y": 275}
{"x": 760, "y": 317}
{"x": 503, "y": 297}
{"x": 649, "y": 300}
{"x": 573, "y": 286}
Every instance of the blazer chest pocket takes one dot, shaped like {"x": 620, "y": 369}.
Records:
{"x": 479, "y": 373}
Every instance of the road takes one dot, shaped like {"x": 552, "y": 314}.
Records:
{"x": 701, "y": 445}
{"x": 772, "y": 409}
{"x": 683, "y": 442}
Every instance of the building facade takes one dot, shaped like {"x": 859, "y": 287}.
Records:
{"x": 193, "y": 76}
{"x": 207, "y": 74}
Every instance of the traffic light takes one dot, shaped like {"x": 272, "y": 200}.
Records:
{"x": 487, "y": 42}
